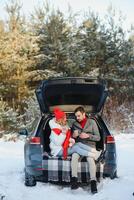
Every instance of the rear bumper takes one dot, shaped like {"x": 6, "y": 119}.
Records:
{"x": 34, "y": 171}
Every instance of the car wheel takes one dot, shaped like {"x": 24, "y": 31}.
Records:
{"x": 114, "y": 175}
{"x": 29, "y": 180}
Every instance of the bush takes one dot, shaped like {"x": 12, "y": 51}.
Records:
{"x": 119, "y": 117}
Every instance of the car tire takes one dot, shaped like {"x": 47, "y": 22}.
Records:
{"x": 29, "y": 180}
{"x": 114, "y": 175}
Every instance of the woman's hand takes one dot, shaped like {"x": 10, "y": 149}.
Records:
{"x": 72, "y": 142}
{"x": 64, "y": 129}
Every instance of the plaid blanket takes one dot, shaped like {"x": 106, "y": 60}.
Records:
{"x": 58, "y": 170}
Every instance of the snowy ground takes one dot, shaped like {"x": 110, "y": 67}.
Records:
{"x": 12, "y": 176}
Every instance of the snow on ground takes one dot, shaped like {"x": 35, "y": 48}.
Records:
{"x": 12, "y": 176}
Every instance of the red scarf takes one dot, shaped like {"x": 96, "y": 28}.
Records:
{"x": 83, "y": 122}
{"x": 65, "y": 144}
{"x": 57, "y": 131}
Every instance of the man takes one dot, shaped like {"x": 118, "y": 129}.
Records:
{"x": 85, "y": 130}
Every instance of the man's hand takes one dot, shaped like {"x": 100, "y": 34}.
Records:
{"x": 75, "y": 134}
{"x": 84, "y": 135}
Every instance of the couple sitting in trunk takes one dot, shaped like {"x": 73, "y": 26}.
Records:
{"x": 79, "y": 141}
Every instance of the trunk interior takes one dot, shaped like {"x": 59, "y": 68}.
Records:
{"x": 46, "y": 131}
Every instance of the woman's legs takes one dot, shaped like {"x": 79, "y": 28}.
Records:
{"x": 82, "y": 152}
{"x": 86, "y": 147}
{"x": 81, "y": 149}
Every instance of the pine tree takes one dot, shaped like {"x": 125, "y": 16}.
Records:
{"x": 15, "y": 57}
{"x": 117, "y": 53}
{"x": 90, "y": 46}
{"x": 54, "y": 42}
{"x": 118, "y": 56}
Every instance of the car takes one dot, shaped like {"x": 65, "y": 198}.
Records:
{"x": 68, "y": 93}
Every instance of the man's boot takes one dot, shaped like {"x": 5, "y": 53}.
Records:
{"x": 74, "y": 183}
{"x": 93, "y": 187}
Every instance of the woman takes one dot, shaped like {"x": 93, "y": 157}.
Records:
{"x": 61, "y": 143}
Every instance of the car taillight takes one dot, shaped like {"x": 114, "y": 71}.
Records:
{"x": 35, "y": 140}
{"x": 110, "y": 139}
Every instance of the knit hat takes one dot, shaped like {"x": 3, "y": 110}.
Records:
{"x": 59, "y": 114}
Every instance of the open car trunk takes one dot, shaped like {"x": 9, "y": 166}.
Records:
{"x": 68, "y": 93}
